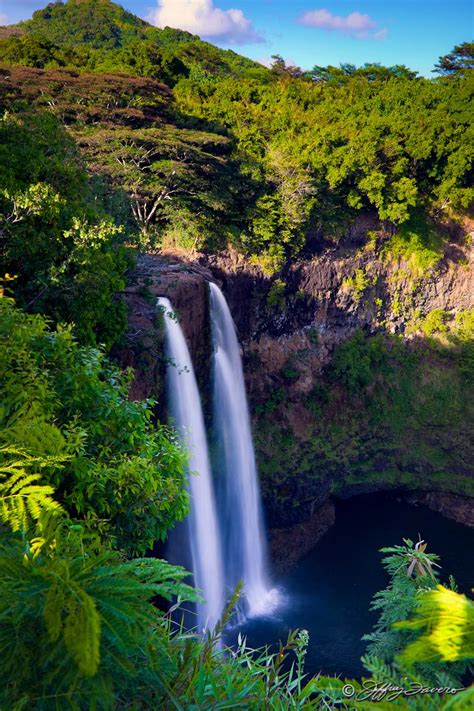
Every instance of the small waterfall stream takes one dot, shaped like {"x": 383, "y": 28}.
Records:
{"x": 241, "y": 519}
{"x": 186, "y": 411}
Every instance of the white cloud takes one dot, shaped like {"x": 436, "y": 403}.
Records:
{"x": 203, "y": 18}
{"x": 3, "y": 18}
{"x": 356, "y": 24}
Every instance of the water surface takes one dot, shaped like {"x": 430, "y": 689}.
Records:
{"x": 329, "y": 591}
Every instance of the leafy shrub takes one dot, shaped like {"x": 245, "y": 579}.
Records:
{"x": 116, "y": 471}
{"x": 67, "y": 255}
{"x": 357, "y": 360}
{"x": 413, "y": 603}
{"x": 417, "y": 243}
{"x": 358, "y": 283}
{"x": 319, "y": 396}
{"x": 434, "y": 322}
{"x": 398, "y": 600}
{"x": 276, "y": 295}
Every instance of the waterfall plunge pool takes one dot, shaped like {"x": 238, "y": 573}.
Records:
{"x": 329, "y": 591}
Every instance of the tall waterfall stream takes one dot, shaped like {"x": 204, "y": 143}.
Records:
{"x": 241, "y": 520}
{"x": 203, "y": 531}
{"x": 229, "y": 547}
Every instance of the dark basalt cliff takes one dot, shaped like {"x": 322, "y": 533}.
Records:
{"x": 407, "y": 427}
{"x": 185, "y": 284}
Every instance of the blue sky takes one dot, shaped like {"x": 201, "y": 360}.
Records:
{"x": 308, "y": 32}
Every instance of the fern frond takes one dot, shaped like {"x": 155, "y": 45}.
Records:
{"x": 23, "y": 499}
{"x": 53, "y": 611}
{"x": 82, "y": 633}
{"x": 461, "y": 701}
{"x": 447, "y": 619}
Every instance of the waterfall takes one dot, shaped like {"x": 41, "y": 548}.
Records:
{"x": 241, "y": 516}
{"x": 186, "y": 411}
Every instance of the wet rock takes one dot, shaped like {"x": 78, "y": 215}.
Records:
{"x": 458, "y": 508}
{"x": 289, "y": 545}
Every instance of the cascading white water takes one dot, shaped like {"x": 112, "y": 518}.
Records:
{"x": 240, "y": 515}
{"x": 185, "y": 408}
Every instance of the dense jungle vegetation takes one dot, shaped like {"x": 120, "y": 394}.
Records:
{"x": 116, "y": 137}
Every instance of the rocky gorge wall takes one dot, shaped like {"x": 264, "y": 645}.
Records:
{"x": 357, "y": 367}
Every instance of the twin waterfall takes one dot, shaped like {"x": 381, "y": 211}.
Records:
{"x": 225, "y": 527}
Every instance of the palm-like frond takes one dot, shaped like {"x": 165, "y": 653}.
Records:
{"x": 23, "y": 498}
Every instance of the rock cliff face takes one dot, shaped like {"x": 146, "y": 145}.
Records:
{"x": 185, "y": 284}
{"x": 406, "y": 427}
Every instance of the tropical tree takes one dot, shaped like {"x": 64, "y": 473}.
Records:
{"x": 459, "y": 61}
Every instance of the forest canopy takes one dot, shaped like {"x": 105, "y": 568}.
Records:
{"x": 296, "y": 156}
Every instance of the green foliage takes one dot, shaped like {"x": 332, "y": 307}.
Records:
{"x": 30, "y": 51}
{"x": 277, "y": 396}
{"x": 290, "y": 372}
{"x": 99, "y": 35}
{"x": 317, "y": 398}
{"x": 434, "y": 322}
{"x": 385, "y": 411}
{"x": 358, "y": 283}
{"x": 371, "y": 72}
{"x": 78, "y": 626}
{"x": 320, "y": 153}
{"x": 178, "y": 180}
{"x": 120, "y": 474}
{"x": 76, "y": 620}
{"x": 78, "y": 629}
{"x": 307, "y": 151}
{"x": 357, "y": 360}
{"x": 276, "y": 295}
{"x": 93, "y": 22}
{"x": 417, "y": 245}
{"x": 424, "y": 634}
{"x": 410, "y": 568}
{"x": 22, "y": 497}
{"x": 462, "y": 335}
{"x": 238, "y": 154}
{"x": 66, "y": 253}
{"x": 447, "y": 621}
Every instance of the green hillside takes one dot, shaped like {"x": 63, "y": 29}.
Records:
{"x": 98, "y": 23}
{"x": 96, "y": 34}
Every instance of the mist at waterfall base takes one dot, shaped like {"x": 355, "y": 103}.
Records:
{"x": 329, "y": 592}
